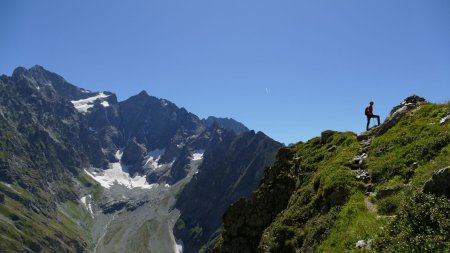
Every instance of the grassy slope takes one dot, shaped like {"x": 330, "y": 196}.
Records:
{"x": 324, "y": 183}
{"x": 330, "y": 210}
{"x": 27, "y": 228}
{"x": 401, "y": 161}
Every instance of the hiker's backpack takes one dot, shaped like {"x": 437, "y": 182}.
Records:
{"x": 366, "y": 111}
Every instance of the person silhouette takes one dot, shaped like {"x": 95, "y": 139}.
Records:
{"x": 370, "y": 115}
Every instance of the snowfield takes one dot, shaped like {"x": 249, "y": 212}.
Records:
{"x": 153, "y": 159}
{"x": 118, "y": 174}
{"x": 178, "y": 246}
{"x": 198, "y": 155}
{"x": 83, "y": 105}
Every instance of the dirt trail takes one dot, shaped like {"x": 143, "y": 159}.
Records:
{"x": 370, "y": 206}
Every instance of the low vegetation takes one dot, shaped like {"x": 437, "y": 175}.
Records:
{"x": 332, "y": 208}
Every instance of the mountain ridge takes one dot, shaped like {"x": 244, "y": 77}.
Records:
{"x": 343, "y": 192}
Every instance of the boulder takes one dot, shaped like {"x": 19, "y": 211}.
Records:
{"x": 361, "y": 244}
{"x": 445, "y": 119}
{"x": 362, "y": 175}
{"x": 364, "y": 245}
{"x": 359, "y": 159}
{"x": 439, "y": 183}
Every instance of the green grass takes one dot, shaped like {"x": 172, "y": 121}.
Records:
{"x": 413, "y": 142}
{"x": 327, "y": 212}
{"x": 421, "y": 225}
{"x": 354, "y": 223}
{"x": 425, "y": 171}
{"x": 400, "y": 161}
{"x": 314, "y": 206}
{"x": 58, "y": 229}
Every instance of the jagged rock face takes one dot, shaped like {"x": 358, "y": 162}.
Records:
{"x": 44, "y": 144}
{"x": 45, "y": 126}
{"x": 245, "y": 220}
{"x": 44, "y": 80}
{"x": 156, "y": 122}
{"x": 51, "y": 130}
{"x": 133, "y": 155}
{"x": 229, "y": 171}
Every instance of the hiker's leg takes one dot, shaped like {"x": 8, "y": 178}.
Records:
{"x": 368, "y": 122}
{"x": 378, "y": 118}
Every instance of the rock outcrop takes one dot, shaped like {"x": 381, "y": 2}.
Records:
{"x": 439, "y": 183}
{"x": 398, "y": 112}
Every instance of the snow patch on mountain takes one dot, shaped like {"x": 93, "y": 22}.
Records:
{"x": 86, "y": 200}
{"x": 105, "y": 103}
{"x": 153, "y": 159}
{"x": 198, "y": 154}
{"x": 178, "y": 246}
{"x": 83, "y": 105}
{"x": 118, "y": 174}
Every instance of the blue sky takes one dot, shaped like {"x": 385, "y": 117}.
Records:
{"x": 288, "y": 68}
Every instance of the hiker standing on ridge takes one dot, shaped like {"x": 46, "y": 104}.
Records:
{"x": 370, "y": 115}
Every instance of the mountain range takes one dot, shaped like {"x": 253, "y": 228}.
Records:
{"x": 81, "y": 171}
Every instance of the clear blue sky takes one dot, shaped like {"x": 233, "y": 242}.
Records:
{"x": 288, "y": 68}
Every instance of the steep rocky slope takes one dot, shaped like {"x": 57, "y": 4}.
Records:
{"x": 81, "y": 171}
{"x": 386, "y": 190}
{"x": 230, "y": 171}
{"x": 44, "y": 144}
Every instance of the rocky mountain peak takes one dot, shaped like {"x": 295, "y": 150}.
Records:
{"x": 143, "y": 93}
{"x": 48, "y": 82}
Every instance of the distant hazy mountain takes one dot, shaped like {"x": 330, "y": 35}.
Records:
{"x": 82, "y": 172}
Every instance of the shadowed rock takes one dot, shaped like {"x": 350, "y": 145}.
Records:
{"x": 439, "y": 183}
